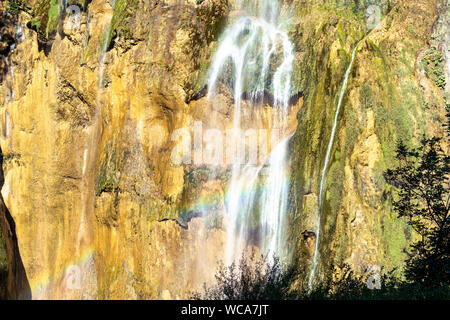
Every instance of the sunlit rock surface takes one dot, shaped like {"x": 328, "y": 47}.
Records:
{"x": 87, "y": 113}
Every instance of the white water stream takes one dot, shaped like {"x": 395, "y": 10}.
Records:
{"x": 260, "y": 56}
{"x": 325, "y": 169}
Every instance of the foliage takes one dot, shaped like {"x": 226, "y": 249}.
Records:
{"x": 422, "y": 182}
{"x": 433, "y": 63}
{"x": 447, "y": 113}
{"x": 121, "y": 23}
{"x": 252, "y": 279}
{"x": 40, "y": 16}
{"x": 108, "y": 177}
{"x": 45, "y": 18}
{"x": 13, "y": 6}
{"x": 53, "y": 17}
{"x": 11, "y": 157}
{"x": 345, "y": 284}
{"x": 255, "y": 279}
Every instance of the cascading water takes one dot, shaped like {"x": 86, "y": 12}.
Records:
{"x": 325, "y": 169}
{"x": 251, "y": 46}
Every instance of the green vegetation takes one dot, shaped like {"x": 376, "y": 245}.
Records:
{"x": 159, "y": 209}
{"x": 14, "y": 6}
{"x": 251, "y": 279}
{"x": 433, "y": 64}
{"x": 192, "y": 201}
{"x": 385, "y": 84}
{"x": 335, "y": 178}
{"x": 53, "y": 14}
{"x": 109, "y": 175}
{"x": 40, "y": 16}
{"x": 422, "y": 181}
{"x": 45, "y": 18}
{"x": 192, "y": 183}
{"x": 10, "y": 158}
{"x": 318, "y": 74}
{"x": 255, "y": 279}
{"x": 395, "y": 231}
{"x": 35, "y": 24}
{"x": 398, "y": 109}
{"x": 121, "y": 23}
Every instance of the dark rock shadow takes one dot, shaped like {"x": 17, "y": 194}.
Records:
{"x": 17, "y": 283}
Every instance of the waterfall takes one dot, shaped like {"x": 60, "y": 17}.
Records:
{"x": 325, "y": 168}
{"x": 251, "y": 46}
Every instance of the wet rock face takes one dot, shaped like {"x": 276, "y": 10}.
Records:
{"x": 88, "y": 113}
{"x": 309, "y": 238}
{"x": 89, "y": 103}
{"x": 386, "y": 100}
{"x": 88, "y": 107}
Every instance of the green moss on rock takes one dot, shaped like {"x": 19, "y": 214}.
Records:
{"x": 108, "y": 177}
{"x": 433, "y": 64}
{"x": 121, "y": 24}
{"x": 14, "y": 6}
{"x": 54, "y": 14}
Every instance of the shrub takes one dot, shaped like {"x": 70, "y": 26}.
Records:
{"x": 13, "y": 6}
{"x": 252, "y": 279}
{"x": 433, "y": 64}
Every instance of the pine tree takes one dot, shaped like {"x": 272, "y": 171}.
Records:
{"x": 422, "y": 183}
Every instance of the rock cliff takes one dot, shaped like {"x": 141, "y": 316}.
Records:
{"x": 92, "y": 92}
